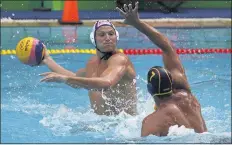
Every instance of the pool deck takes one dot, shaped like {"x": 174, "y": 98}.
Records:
{"x": 183, "y": 18}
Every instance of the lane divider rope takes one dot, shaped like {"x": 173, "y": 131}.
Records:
{"x": 131, "y": 51}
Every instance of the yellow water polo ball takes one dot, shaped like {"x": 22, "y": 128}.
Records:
{"x": 30, "y": 51}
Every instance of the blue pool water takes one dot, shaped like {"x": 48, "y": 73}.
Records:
{"x": 33, "y": 112}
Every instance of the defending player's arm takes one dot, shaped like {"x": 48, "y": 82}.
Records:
{"x": 170, "y": 57}
{"x": 171, "y": 60}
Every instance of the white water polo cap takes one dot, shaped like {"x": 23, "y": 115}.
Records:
{"x": 97, "y": 25}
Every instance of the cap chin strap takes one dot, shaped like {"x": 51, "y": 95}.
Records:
{"x": 106, "y": 55}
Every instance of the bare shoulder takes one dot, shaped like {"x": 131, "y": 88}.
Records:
{"x": 147, "y": 126}
{"x": 182, "y": 93}
{"x": 92, "y": 59}
{"x": 170, "y": 109}
{"x": 155, "y": 123}
{"x": 119, "y": 58}
{"x": 148, "y": 119}
{"x": 164, "y": 113}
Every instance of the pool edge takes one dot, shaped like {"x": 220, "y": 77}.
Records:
{"x": 168, "y": 22}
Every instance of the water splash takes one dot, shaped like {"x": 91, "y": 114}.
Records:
{"x": 62, "y": 120}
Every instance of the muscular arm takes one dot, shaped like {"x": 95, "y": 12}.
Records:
{"x": 170, "y": 58}
{"x": 53, "y": 66}
{"x": 115, "y": 71}
{"x": 81, "y": 72}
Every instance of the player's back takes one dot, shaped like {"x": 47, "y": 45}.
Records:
{"x": 191, "y": 108}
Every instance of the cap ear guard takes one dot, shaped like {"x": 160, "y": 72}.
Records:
{"x": 150, "y": 88}
{"x": 117, "y": 34}
{"x": 93, "y": 40}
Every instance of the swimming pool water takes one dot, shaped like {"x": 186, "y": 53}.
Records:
{"x": 33, "y": 112}
{"x": 54, "y": 37}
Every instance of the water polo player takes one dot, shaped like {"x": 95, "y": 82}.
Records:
{"x": 109, "y": 75}
{"x": 168, "y": 85}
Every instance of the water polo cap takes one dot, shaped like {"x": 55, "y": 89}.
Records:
{"x": 96, "y": 26}
{"x": 159, "y": 81}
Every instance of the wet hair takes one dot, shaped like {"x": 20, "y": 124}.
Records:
{"x": 159, "y": 81}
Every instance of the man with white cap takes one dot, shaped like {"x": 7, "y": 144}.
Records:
{"x": 109, "y": 75}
